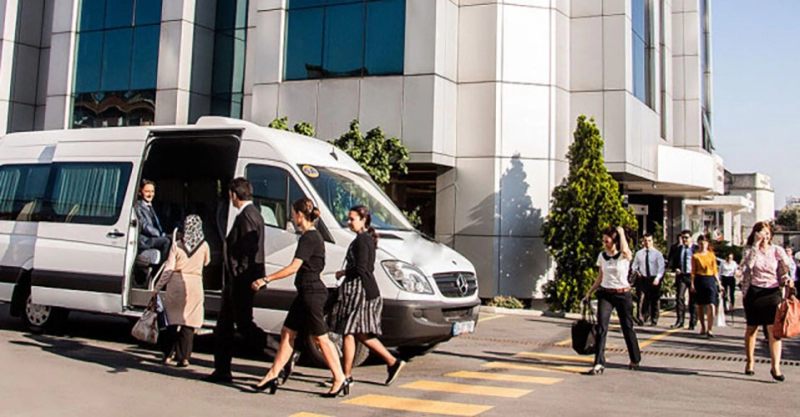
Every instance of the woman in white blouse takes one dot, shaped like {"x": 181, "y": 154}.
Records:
{"x": 614, "y": 292}
{"x": 727, "y": 273}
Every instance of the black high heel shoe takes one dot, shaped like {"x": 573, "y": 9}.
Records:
{"x": 344, "y": 390}
{"x": 272, "y": 384}
{"x": 596, "y": 370}
{"x": 776, "y": 377}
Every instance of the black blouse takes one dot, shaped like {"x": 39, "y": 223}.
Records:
{"x": 361, "y": 264}
{"x": 310, "y": 250}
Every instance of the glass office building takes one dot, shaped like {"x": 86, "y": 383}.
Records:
{"x": 484, "y": 94}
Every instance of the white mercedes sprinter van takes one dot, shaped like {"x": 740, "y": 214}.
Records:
{"x": 68, "y": 228}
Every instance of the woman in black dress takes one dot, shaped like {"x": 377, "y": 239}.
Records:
{"x": 357, "y": 312}
{"x": 306, "y": 312}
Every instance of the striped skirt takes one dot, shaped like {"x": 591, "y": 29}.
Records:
{"x": 353, "y": 313}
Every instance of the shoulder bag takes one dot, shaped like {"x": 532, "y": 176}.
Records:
{"x": 146, "y": 329}
{"x": 584, "y": 331}
{"x": 787, "y": 318}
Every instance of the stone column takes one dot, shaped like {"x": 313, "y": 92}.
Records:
{"x": 8, "y": 31}
{"x": 175, "y": 62}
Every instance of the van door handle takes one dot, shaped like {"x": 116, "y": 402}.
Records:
{"x": 114, "y": 234}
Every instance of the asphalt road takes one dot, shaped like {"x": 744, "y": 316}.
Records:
{"x": 512, "y": 365}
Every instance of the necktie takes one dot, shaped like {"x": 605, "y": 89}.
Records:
{"x": 647, "y": 262}
{"x": 155, "y": 220}
{"x": 685, "y": 257}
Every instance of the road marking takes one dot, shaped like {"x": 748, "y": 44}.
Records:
{"x": 567, "y": 358}
{"x": 527, "y": 367}
{"x": 308, "y": 415}
{"x": 418, "y": 406}
{"x": 505, "y": 377}
{"x": 658, "y": 337}
{"x": 467, "y": 389}
{"x": 484, "y": 318}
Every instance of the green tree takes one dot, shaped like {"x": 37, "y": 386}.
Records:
{"x": 303, "y": 128}
{"x": 789, "y": 218}
{"x": 376, "y": 153}
{"x": 585, "y": 203}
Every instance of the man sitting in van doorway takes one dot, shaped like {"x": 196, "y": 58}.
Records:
{"x": 151, "y": 235}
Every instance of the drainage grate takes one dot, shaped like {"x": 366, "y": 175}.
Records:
{"x": 679, "y": 355}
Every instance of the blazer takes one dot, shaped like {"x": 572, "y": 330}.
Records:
{"x": 244, "y": 248}
{"x": 675, "y": 256}
{"x": 148, "y": 225}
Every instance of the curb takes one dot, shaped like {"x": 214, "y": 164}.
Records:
{"x": 528, "y": 312}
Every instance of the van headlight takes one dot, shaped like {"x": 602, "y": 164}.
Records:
{"x": 407, "y": 277}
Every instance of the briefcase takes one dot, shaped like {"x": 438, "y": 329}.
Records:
{"x": 584, "y": 331}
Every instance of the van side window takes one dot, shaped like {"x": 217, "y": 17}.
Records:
{"x": 86, "y": 193}
{"x": 273, "y": 191}
{"x": 22, "y": 189}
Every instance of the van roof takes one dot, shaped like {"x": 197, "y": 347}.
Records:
{"x": 287, "y": 146}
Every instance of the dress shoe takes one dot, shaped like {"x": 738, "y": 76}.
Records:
{"x": 215, "y": 377}
{"x": 272, "y": 385}
{"x": 344, "y": 390}
{"x": 678, "y": 325}
{"x": 691, "y": 327}
{"x": 776, "y": 377}
{"x": 596, "y": 370}
{"x": 287, "y": 370}
{"x": 633, "y": 366}
{"x": 637, "y": 321}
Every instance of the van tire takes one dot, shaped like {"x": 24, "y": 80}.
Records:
{"x": 39, "y": 318}
{"x": 315, "y": 354}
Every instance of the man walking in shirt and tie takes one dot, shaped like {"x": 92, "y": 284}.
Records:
{"x": 680, "y": 260}
{"x": 649, "y": 264}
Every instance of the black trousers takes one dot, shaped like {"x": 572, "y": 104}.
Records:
{"x": 641, "y": 292}
{"x": 683, "y": 283}
{"x": 652, "y": 295}
{"x": 729, "y": 285}
{"x": 177, "y": 341}
{"x": 623, "y": 303}
{"x": 236, "y": 309}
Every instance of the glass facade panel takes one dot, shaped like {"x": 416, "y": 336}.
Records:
{"x": 230, "y": 43}
{"x": 642, "y": 49}
{"x": 344, "y": 38}
{"x": 119, "y": 14}
{"x": 148, "y": 12}
{"x": 343, "y": 52}
{"x": 303, "y": 43}
{"x": 92, "y": 14}
{"x": 117, "y": 60}
{"x": 639, "y": 69}
{"x": 145, "y": 57}
{"x": 385, "y": 37}
{"x": 87, "y": 74}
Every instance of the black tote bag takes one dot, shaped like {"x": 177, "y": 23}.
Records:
{"x": 584, "y": 331}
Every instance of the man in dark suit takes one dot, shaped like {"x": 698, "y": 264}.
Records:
{"x": 151, "y": 236}
{"x": 244, "y": 263}
{"x": 680, "y": 261}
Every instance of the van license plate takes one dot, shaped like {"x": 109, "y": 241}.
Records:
{"x": 463, "y": 327}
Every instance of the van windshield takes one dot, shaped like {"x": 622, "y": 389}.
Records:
{"x": 341, "y": 189}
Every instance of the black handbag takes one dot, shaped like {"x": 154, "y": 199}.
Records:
{"x": 584, "y": 331}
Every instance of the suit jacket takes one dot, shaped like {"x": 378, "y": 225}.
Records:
{"x": 148, "y": 225}
{"x": 675, "y": 256}
{"x": 245, "y": 248}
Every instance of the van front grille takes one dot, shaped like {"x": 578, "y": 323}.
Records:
{"x": 456, "y": 284}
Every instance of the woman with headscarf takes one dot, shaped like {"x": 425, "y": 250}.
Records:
{"x": 183, "y": 302}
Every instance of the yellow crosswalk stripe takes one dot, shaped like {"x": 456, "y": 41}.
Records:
{"x": 530, "y": 367}
{"x": 304, "y": 414}
{"x": 418, "y": 406}
{"x": 505, "y": 377}
{"x": 658, "y": 337}
{"x": 484, "y": 317}
{"x": 467, "y": 389}
{"x": 566, "y": 358}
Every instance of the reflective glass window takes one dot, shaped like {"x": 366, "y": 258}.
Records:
{"x": 145, "y": 57}
{"x": 273, "y": 192}
{"x": 87, "y": 71}
{"x": 344, "y": 40}
{"x": 22, "y": 189}
{"x": 230, "y": 43}
{"x": 87, "y": 193}
{"x": 641, "y": 51}
{"x": 385, "y": 37}
{"x": 639, "y": 16}
{"x": 117, "y": 60}
{"x": 639, "y": 70}
{"x": 304, "y": 43}
{"x": 119, "y": 13}
{"x": 92, "y": 14}
{"x": 148, "y": 12}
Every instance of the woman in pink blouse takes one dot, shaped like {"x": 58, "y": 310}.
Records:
{"x": 765, "y": 269}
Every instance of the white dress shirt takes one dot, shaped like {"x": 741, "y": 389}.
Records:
{"x": 656, "y": 260}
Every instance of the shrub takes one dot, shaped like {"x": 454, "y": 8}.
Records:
{"x": 505, "y": 302}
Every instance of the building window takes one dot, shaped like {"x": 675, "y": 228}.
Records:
{"x": 643, "y": 47}
{"x": 344, "y": 38}
{"x": 705, "y": 74}
{"x": 230, "y": 42}
{"x": 116, "y": 63}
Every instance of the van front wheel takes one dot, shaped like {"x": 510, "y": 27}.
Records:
{"x": 316, "y": 357}
{"x": 39, "y": 318}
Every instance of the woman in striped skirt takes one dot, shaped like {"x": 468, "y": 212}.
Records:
{"x": 357, "y": 312}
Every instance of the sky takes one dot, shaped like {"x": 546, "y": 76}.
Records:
{"x": 756, "y": 81}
